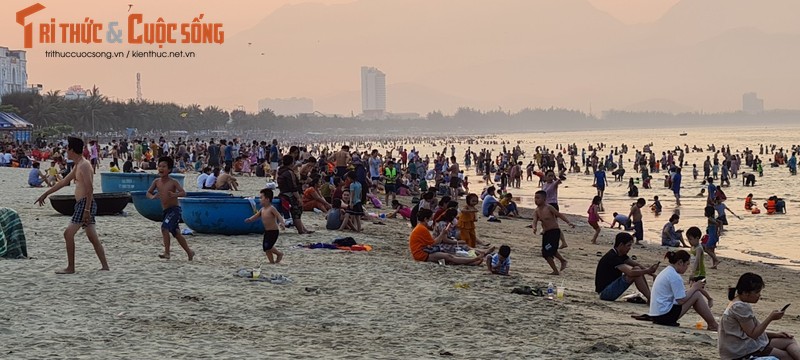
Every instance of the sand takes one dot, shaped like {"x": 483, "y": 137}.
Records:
{"x": 377, "y": 305}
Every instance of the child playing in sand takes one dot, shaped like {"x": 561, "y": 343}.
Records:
{"x": 549, "y": 216}
{"x": 399, "y": 209}
{"x": 271, "y": 219}
{"x": 85, "y": 207}
{"x": 334, "y": 216}
{"x": 499, "y": 263}
{"x": 594, "y": 217}
{"x": 467, "y": 219}
{"x": 698, "y": 266}
{"x": 169, "y": 190}
{"x": 713, "y": 235}
{"x": 507, "y": 206}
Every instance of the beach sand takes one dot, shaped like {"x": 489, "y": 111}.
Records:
{"x": 377, "y": 305}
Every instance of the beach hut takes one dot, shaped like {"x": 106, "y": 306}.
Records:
{"x": 17, "y": 126}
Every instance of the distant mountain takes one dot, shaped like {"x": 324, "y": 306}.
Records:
{"x": 509, "y": 54}
{"x": 695, "y": 20}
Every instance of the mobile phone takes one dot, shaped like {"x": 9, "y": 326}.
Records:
{"x": 784, "y": 308}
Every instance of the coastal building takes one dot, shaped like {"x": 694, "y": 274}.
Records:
{"x": 13, "y": 71}
{"x": 373, "y": 93}
{"x": 75, "y": 92}
{"x": 751, "y": 104}
{"x": 288, "y": 107}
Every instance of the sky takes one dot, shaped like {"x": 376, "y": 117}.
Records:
{"x": 233, "y": 74}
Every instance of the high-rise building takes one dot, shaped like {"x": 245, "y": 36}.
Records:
{"x": 373, "y": 92}
{"x": 289, "y": 107}
{"x": 751, "y": 104}
{"x": 13, "y": 71}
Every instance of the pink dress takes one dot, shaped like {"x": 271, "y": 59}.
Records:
{"x": 405, "y": 212}
{"x": 593, "y": 216}
{"x": 246, "y": 166}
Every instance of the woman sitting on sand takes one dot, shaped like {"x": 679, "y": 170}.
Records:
{"x": 742, "y": 335}
{"x": 448, "y": 221}
{"x": 423, "y": 245}
{"x": 669, "y": 300}
{"x": 312, "y": 198}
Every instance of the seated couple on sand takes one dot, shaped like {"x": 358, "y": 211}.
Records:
{"x": 669, "y": 300}
{"x": 424, "y": 247}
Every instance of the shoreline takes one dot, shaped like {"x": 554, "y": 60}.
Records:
{"x": 388, "y": 305}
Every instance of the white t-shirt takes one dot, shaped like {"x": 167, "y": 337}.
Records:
{"x": 667, "y": 288}
{"x": 211, "y": 180}
{"x": 201, "y": 180}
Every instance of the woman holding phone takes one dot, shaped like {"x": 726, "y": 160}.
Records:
{"x": 742, "y": 336}
{"x": 670, "y": 300}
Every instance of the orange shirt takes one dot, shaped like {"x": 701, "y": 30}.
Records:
{"x": 466, "y": 220}
{"x": 308, "y": 195}
{"x": 420, "y": 239}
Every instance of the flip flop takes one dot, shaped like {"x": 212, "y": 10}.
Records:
{"x": 643, "y": 317}
{"x": 599, "y": 253}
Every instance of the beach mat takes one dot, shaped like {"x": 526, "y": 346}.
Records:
{"x": 12, "y": 236}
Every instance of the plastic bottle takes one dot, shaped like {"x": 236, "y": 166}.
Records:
{"x": 551, "y": 290}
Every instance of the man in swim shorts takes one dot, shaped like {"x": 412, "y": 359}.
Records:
{"x": 549, "y": 216}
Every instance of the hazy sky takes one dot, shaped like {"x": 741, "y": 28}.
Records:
{"x": 298, "y": 51}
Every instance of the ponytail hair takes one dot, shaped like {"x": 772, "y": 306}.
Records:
{"x": 748, "y": 282}
{"x": 674, "y": 256}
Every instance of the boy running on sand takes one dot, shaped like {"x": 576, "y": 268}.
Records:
{"x": 85, "y": 207}
{"x": 271, "y": 219}
{"x": 548, "y": 215}
{"x": 169, "y": 190}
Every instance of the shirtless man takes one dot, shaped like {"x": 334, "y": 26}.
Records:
{"x": 455, "y": 181}
{"x": 226, "y": 182}
{"x": 636, "y": 219}
{"x": 169, "y": 190}
{"x": 85, "y": 207}
{"x": 340, "y": 159}
{"x": 548, "y": 215}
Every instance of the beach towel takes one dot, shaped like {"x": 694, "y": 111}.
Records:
{"x": 357, "y": 247}
{"x": 12, "y": 236}
{"x": 346, "y": 241}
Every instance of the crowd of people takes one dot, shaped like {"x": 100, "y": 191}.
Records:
{"x": 443, "y": 212}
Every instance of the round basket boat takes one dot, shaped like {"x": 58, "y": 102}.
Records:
{"x": 151, "y": 208}
{"x": 221, "y": 215}
{"x": 114, "y": 182}
{"x": 107, "y": 203}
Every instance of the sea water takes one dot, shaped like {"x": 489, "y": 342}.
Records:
{"x": 762, "y": 237}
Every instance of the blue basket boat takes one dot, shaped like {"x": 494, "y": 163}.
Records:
{"x": 126, "y": 182}
{"x": 151, "y": 208}
{"x": 222, "y": 215}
